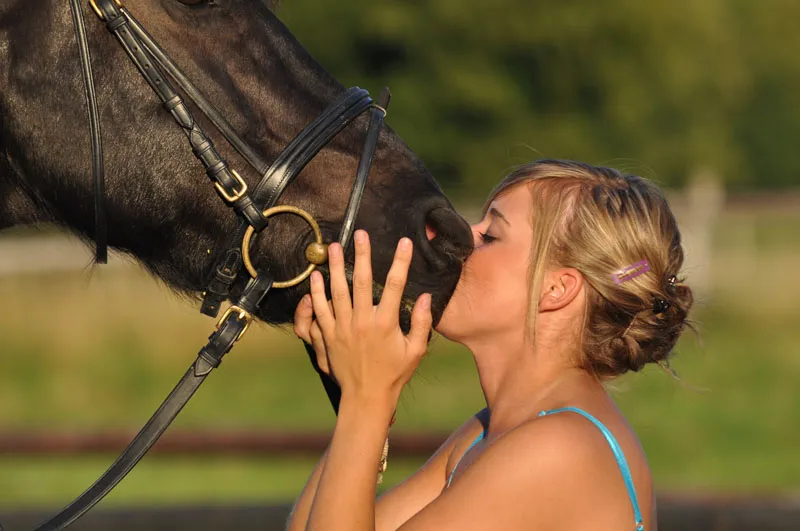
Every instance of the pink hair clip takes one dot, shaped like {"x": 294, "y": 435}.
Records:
{"x": 631, "y": 271}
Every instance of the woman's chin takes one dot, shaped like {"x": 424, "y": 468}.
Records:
{"x": 445, "y": 327}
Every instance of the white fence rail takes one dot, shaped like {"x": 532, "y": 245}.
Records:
{"x": 46, "y": 254}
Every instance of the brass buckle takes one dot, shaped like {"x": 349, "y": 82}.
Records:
{"x": 238, "y": 195}
{"x": 316, "y": 252}
{"x": 244, "y": 315}
{"x": 99, "y": 13}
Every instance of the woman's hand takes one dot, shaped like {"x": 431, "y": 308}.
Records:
{"x": 360, "y": 344}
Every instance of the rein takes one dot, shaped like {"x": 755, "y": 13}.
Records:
{"x": 254, "y": 209}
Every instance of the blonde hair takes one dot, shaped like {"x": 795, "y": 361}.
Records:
{"x": 600, "y": 221}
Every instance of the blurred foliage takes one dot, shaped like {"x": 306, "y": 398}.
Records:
{"x": 657, "y": 88}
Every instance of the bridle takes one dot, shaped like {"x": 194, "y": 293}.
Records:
{"x": 254, "y": 207}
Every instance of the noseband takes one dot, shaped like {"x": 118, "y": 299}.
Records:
{"x": 254, "y": 207}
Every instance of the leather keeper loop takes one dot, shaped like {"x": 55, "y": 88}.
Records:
{"x": 254, "y": 292}
{"x": 114, "y": 24}
{"x": 246, "y": 208}
{"x": 172, "y": 102}
{"x": 214, "y": 170}
{"x": 210, "y": 358}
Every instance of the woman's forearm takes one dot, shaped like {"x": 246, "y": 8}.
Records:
{"x": 298, "y": 519}
{"x": 345, "y": 499}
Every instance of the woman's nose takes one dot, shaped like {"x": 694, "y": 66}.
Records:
{"x": 476, "y": 235}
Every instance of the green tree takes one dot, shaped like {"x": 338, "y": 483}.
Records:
{"x": 655, "y": 88}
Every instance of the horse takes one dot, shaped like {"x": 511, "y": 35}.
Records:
{"x": 257, "y": 74}
{"x": 154, "y": 206}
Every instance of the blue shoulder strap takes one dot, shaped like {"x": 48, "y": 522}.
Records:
{"x": 478, "y": 439}
{"x": 621, "y": 462}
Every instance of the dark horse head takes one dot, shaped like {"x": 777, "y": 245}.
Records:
{"x": 161, "y": 208}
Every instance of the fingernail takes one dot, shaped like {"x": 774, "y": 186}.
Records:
{"x": 316, "y": 277}
{"x": 405, "y": 244}
{"x": 361, "y": 236}
{"x": 425, "y": 301}
{"x": 306, "y": 300}
{"x": 335, "y": 249}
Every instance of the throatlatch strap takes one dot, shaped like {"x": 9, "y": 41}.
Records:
{"x": 100, "y": 220}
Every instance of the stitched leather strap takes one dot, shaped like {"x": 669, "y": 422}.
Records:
{"x": 230, "y": 186}
{"x": 100, "y": 221}
{"x": 219, "y": 288}
{"x": 364, "y": 165}
{"x": 174, "y": 71}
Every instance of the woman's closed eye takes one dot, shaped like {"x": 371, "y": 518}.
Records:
{"x": 487, "y": 238}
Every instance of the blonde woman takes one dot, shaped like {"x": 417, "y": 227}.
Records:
{"x": 573, "y": 281}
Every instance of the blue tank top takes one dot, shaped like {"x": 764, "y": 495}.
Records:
{"x": 612, "y": 442}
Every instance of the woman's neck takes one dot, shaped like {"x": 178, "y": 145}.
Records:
{"x": 520, "y": 379}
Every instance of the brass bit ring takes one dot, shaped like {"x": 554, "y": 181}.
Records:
{"x": 316, "y": 252}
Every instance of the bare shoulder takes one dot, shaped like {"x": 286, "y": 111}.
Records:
{"x": 551, "y": 472}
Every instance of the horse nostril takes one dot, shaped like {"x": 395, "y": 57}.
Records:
{"x": 430, "y": 232}
{"x": 445, "y": 237}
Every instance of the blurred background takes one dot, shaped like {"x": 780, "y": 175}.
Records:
{"x": 701, "y": 96}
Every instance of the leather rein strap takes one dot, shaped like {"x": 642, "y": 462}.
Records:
{"x": 149, "y": 58}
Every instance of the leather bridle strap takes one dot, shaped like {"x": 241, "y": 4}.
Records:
{"x": 228, "y": 183}
{"x": 364, "y": 165}
{"x": 230, "y": 328}
{"x": 174, "y": 71}
{"x": 351, "y": 104}
{"x": 332, "y": 389}
{"x": 275, "y": 177}
{"x": 304, "y": 147}
{"x": 100, "y": 222}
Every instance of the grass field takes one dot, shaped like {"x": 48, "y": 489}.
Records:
{"x": 100, "y": 349}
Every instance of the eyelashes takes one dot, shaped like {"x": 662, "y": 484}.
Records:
{"x": 487, "y": 238}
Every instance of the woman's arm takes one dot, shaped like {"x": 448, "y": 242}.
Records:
{"x": 298, "y": 519}
{"x": 372, "y": 359}
{"x": 396, "y": 506}
{"x": 345, "y": 497}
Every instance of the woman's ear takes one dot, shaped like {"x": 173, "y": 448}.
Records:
{"x": 560, "y": 288}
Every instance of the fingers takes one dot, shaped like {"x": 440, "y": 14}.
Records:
{"x": 340, "y": 291}
{"x": 307, "y": 329}
{"x": 303, "y": 316}
{"x": 362, "y": 276}
{"x": 319, "y": 347}
{"x": 320, "y": 302}
{"x": 421, "y": 321}
{"x": 389, "y": 307}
